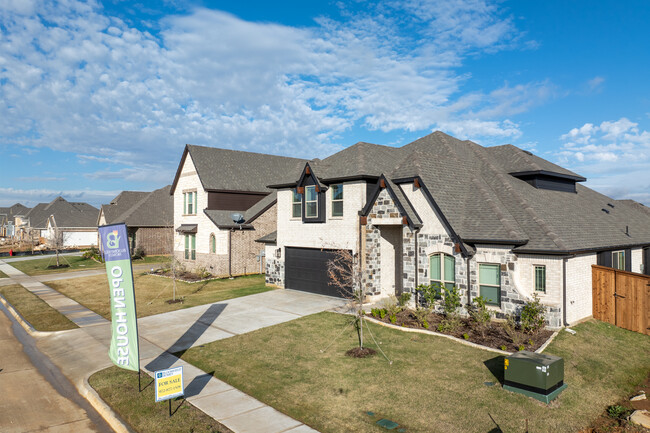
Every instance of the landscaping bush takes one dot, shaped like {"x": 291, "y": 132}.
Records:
{"x": 93, "y": 254}
{"x": 511, "y": 329}
{"x": 533, "y": 316}
{"x": 430, "y": 293}
{"x": 403, "y": 299}
{"x": 420, "y": 315}
{"x": 138, "y": 253}
{"x": 480, "y": 314}
{"x": 450, "y": 306}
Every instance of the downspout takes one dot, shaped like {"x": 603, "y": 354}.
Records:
{"x": 564, "y": 321}
{"x": 469, "y": 281}
{"x": 230, "y": 253}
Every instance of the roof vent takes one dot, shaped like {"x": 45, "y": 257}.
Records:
{"x": 527, "y": 152}
{"x": 605, "y": 210}
{"x": 610, "y": 205}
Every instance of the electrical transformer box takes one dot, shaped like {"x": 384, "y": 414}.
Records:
{"x": 536, "y": 375}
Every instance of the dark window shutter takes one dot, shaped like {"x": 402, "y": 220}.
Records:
{"x": 604, "y": 258}
{"x": 646, "y": 261}
{"x": 628, "y": 260}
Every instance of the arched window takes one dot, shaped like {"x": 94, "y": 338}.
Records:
{"x": 213, "y": 243}
{"x": 442, "y": 270}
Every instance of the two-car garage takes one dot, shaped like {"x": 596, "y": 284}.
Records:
{"x": 306, "y": 270}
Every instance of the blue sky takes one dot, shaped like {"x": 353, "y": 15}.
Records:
{"x": 100, "y": 97}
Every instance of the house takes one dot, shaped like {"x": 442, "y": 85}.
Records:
{"x": 7, "y": 219}
{"x": 70, "y": 224}
{"x": 149, "y": 217}
{"x": 498, "y": 222}
{"x": 222, "y": 205}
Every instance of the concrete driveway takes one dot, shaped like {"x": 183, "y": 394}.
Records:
{"x": 182, "y": 329}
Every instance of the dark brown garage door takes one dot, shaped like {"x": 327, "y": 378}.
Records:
{"x": 306, "y": 270}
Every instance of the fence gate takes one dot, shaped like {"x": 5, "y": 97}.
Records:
{"x": 621, "y": 298}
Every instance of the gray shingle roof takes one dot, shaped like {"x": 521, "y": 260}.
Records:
{"x": 66, "y": 214}
{"x": 223, "y": 219}
{"x": 234, "y": 170}
{"x": 12, "y": 211}
{"x": 271, "y": 238}
{"x": 141, "y": 209}
{"x": 473, "y": 187}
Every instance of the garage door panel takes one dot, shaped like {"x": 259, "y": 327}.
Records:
{"x": 306, "y": 270}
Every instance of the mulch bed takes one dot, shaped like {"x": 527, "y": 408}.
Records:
{"x": 495, "y": 334}
{"x": 358, "y": 352}
{"x": 58, "y": 267}
{"x": 187, "y": 277}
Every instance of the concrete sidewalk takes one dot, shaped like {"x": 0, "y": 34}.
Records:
{"x": 81, "y": 352}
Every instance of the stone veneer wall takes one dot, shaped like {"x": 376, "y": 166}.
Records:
{"x": 274, "y": 271}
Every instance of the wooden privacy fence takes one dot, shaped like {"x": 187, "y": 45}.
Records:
{"x": 621, "y": 298}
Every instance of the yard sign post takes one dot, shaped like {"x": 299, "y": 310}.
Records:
{"x": 124, "y": 348}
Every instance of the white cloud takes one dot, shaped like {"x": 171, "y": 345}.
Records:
{"x": 614, "y": 156}
{"x": 75, "y": 79}
{"x": 596, "y": 83}
{"x": 31, "y": 197}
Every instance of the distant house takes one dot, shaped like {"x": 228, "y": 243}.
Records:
{"x": 149, "y": 217}
{"x": 74, "y": 222}
{"x": 497, "y": 222}
{"x": 7, "y": 219}
{"x": 222, "y": 204}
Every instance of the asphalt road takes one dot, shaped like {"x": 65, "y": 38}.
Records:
{"x": 35, "y": 395}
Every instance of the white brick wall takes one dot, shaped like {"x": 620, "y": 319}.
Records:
{"x": 431, "y": 222}
{"x": 578, "y": 287}
{"x": 524, "y": 277}
{"x": 637, "y": 260}
{"x": 189, "y": 180}
{"x": 335, "y": 233}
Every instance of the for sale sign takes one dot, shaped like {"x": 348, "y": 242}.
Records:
{"x": 169, "y": 383}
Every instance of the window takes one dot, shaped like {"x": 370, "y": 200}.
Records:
{"x": 618, "y": 260}
{"x": 311, "y": 202}
{"x": 190, "y": 247}
{"x": 296, "y": 204}
{"x": 490, "y": 283}
{"x": 337, "y": 200}
{"x": 189, "y": 203}
{"x": 540, "y": 278}
{"x": 213, "y": 243}
{"x": 442, "y": 271}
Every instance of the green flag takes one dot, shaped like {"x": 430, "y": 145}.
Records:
{"x": 124, "y": 350}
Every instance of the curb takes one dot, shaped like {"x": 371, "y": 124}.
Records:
{"x": 551, "y": 338}
{"x": 437, "y": 334}
{"x": 102, "y": 408}
{"x": 24, "y": 323}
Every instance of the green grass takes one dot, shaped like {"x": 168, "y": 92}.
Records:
{"x": 433, "y": 384}
{"x": 119, "y": 388}
{"x": 3, "y": 275}
{"x": 41, "y": 316}
{"x": 77, "y": 263}
{"x": 152, "y": 293}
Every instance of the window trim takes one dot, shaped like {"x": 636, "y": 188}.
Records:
{"x": 192, "y": 202}
{"x": 315, "y": 201}
{"x": 341, "y": 200}
{"x": 213, "y": 244}
{"x": 498, "y": 302}
{"x": 441, "y": 283}
{"x": 295, "y": 194}
{"x": 535, "y": 288}
{"x": 615, "y": 263}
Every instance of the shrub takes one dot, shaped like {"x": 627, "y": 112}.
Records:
{"x": 203, "y": 273}
{"x": 511, "y": 330}
{"x": 392, "y": 306}
{"x": 451, "y": 302}
{"x": 532, "y": 315}
{"x": 618, "y": 412}
{"x": 420, "y": 315}
{"x": 403, "y": 299}
{"x": 503, "y": 347}
{"x": 465, "y": 336}
{"x": 93, "y": 254}
{"x": 138, "y": 253}
{"x": 430, "y": 293}
{"x": 521, "y": 347}
{"x": 480, "y": 314}
{"x": 382, "y": 313}
{"x": 392, "y": 318}
{"x": 374, "y": 312}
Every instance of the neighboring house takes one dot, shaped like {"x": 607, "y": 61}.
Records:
{"x": 74, "y": 222}
{"x": 222, "y": 204}
{"x": 498, "y": 222}
{"x": 7, "y": 219}
{"x": 149, "y": 217}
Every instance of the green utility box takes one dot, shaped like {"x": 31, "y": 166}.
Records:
{"x": 536, "y": 375}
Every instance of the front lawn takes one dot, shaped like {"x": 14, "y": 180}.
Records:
{"x": 3, "y": 275}
{"x": 119, "y": 388}
{"x": 152, "y": 293}
{"x": 77, "y": 263}
{"x": 40, "y": 315}
{"x": 433, "y": 384}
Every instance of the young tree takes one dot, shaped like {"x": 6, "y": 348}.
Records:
{"x": 345, "y": 273}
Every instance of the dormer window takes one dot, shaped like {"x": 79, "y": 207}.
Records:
{"x": 311, "y": 202}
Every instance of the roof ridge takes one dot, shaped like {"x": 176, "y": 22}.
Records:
{"x": 522, "y": 201}
{"x": 245, "y": 151}
{"x": 488, "y": 198}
